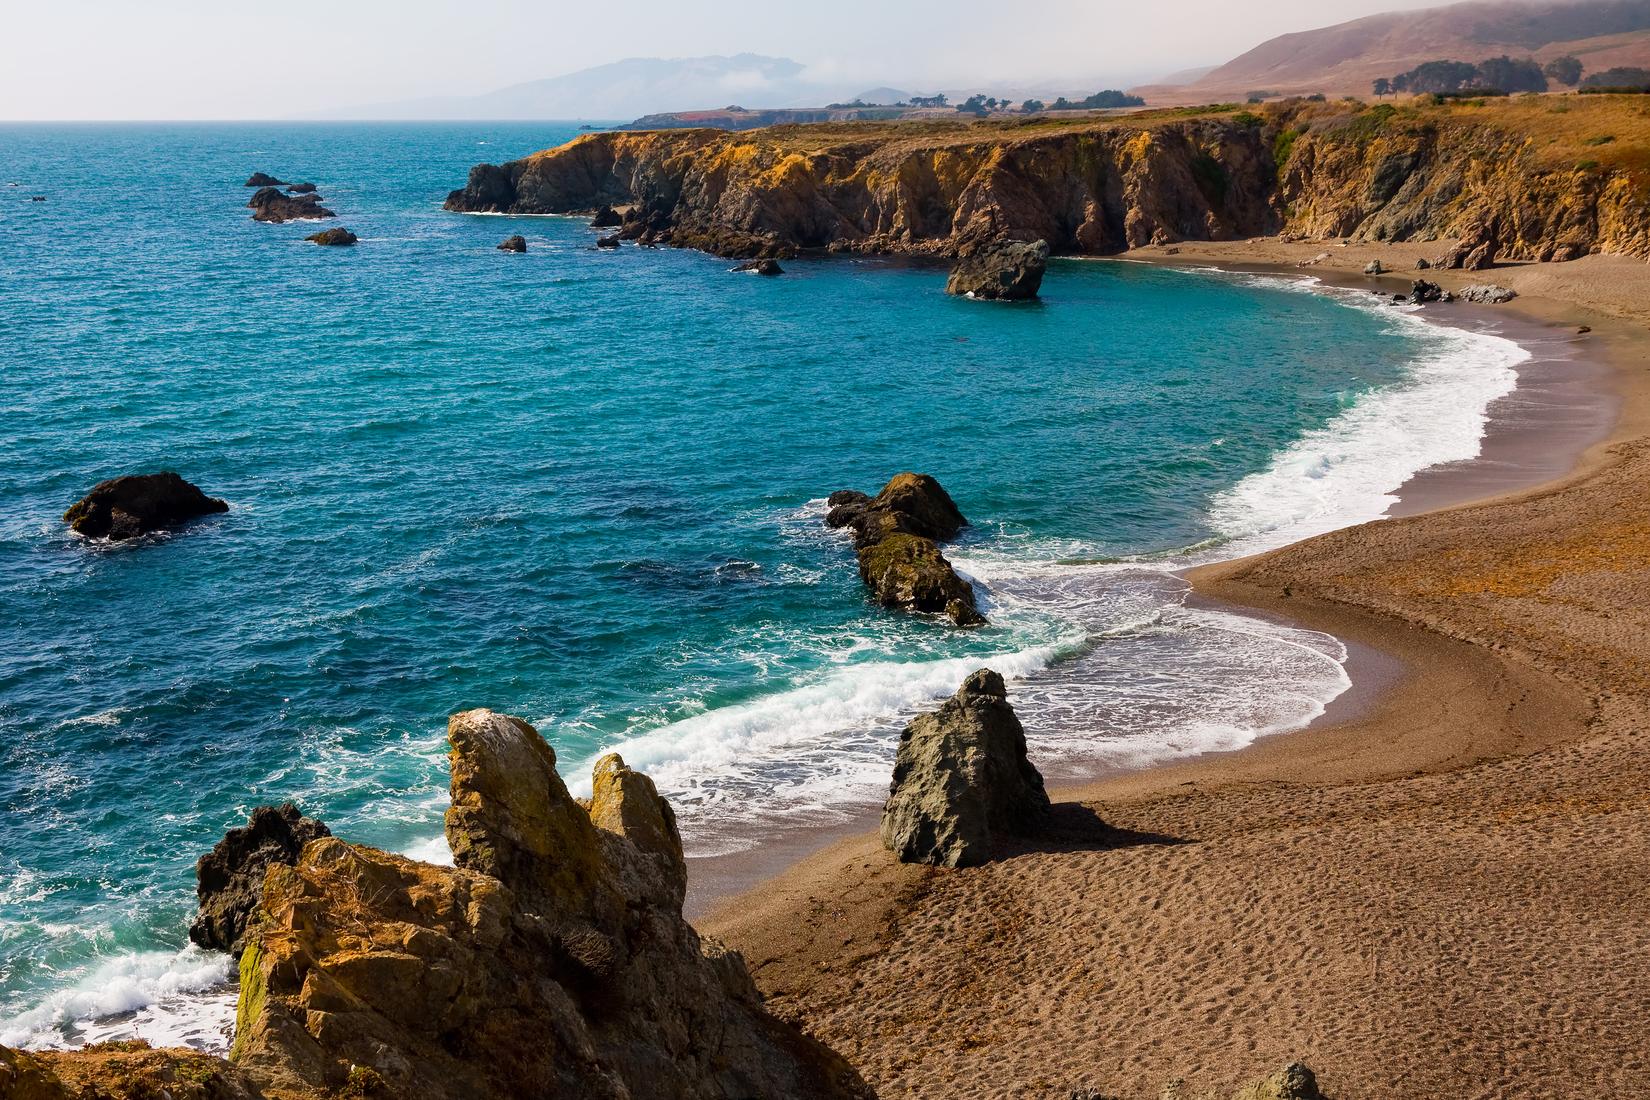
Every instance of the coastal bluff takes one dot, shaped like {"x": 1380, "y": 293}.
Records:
{"x": 1512, "y": 179}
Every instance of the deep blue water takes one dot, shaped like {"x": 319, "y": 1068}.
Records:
{"x": 583, "y": 487}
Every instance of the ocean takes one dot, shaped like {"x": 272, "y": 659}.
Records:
{"x": 587, "y": 488}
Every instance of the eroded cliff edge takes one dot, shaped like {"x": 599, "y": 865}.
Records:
{"x": 1538, "y": 178}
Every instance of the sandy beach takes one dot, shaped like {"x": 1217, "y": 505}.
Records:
{"x": 1438, "y": 890}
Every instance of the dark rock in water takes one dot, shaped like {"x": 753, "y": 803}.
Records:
{"x": 1421, "y": 292}
{"x": 263, "y": 179}
{"x": 608, "y": 242}
{"x": 1003, "y": 271}
{"x": 271, "y": 204}
{"x": 606, "y": 218}
{"x": 905, "y": 570}
{"x": 895, "y": 534}
{"x": 552, "y": 959}
{"x": 517, "y": 243}
{"x": 1487, "y": 293}
{"x": 301, "y": 189}
{"x": 761, "y": 267}
{"x": 337, "y": 237}
{"x": 126, "y": 507}
{"x": 37, "y": 198}
{"x": 229, "y": 880}
{"x": 962, "y": 780}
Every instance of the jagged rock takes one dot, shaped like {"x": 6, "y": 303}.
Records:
{"x": 272, "y": 205}
{"x": 1293, "y": 1082}
{"x": 300, "y": 189}
{"x": 1422, "y": 292}
{"x": 517, "y": 243}
{"x": 124, "y": 1070}
{"x": 962, "y": 780}
{"x": 611, "y": 241}
{"x": 1487, "y": 292}
{"x": 606, "y": 218}
{"x": 229, "y": 880}
{"x": 336, "y": 237}
{"x": 1423, "y": 264}
{"x": 126, "y": 507}
{"x": 1002, "y": 271}
{"x": 1374, "y": 267}
{"x": 761, "y": 267}
{"x": 263, "y": 179}
{"x": 895, "y": 535}
{"x": 551, "y": 960}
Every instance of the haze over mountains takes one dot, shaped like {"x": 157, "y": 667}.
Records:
{"x": 1345, "y": 58}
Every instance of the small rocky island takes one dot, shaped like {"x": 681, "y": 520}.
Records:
{"x": 138, "y": 504}
{"x": 1002, "y": 271}
{"x": 271, "y": 204}
{"x": 896, "y": 535}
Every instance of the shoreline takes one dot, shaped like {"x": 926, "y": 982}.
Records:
{"x": 1426, "y": 887}
{"x": 1522, "y": 448}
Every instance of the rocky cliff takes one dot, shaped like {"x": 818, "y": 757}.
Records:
{"x": 1541, "y": 177}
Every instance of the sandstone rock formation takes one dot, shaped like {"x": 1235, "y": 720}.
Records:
{"x": 263, "y": 179}
{"x": 1488, "y": 293}
{"x": 229, "y": 880}
{"x": 761, "y": 267}
{"x": 336, "y": 237}
{"x": 895, "y": 536}
{"x": 271, "y": 204}
{"x": 962, "y": 780}
{"x": 1103, "y": 185}
{"x": 551, "y": 960}
{"x": 517, "y": 243}
{"x": 1000, "y": 271}
{"x": 606, "y": 218}
{"x": 126, "y": 507}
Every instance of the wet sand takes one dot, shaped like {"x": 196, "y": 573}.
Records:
{"x": 1438, "y": 890}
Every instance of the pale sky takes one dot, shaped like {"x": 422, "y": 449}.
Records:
{"x": 225, "y": 59}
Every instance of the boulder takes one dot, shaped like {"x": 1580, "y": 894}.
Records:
{"x": 1293, "y": 1082}
{"x": 1421, "y": 292}
{"x": 271, "y": 204}
{"x": 1000, "y": 271}
{"x": 336, "y": 237}
{"x": 1488, "y": 293}
{"x": 229, "y": 880}
{"x": 606, "y": 218}
{"x": 909, "y": 571}
{"x": 1374, "y": 267}
{"x": 551, "y": 960}
{"x": 126, "y": 507}
{"x": 610, "y": 241}
{"x": 914, "y": 503}
{"x": 300, "y": 189}
{"x": 263, "y": 179}
{"x": 1423, "y": 264}
{"x": 517, "y": 243}
{"x": 761, "y": 267}
{"x": 962, "y": 780}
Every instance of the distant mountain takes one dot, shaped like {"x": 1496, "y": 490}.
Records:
{"x": 1345, "y": 58}
{"x": 626, "y": 89}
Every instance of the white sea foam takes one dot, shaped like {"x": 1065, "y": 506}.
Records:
{"x": 148, "y": 994}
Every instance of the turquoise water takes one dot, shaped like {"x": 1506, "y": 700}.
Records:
{"x": 585, "y": 488}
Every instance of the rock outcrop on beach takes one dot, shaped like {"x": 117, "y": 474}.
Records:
{"x": 962, "y": 780}
{"x": 1419, "y": 171}
{"x": 229, "y": 880}
{"x": 138, "y": 504}
{"x": 1422, "y": 292}
{"x": 271, "y": 204}
{"x": 552, "y": 959}
{"x": 264, "y": 179}
{"x": 517, "y": 243}
{"x": 1296, "y": 1081}
{"x": 1487, "y": 293}
{"x": 1000, "y": 271}
{"x": 896, "y": 535}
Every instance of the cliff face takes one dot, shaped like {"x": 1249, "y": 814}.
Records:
{"x": 1098, "y": 186}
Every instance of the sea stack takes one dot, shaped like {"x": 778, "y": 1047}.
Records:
{"x": 962, "y": 780}
{"x": 517, "y": 243}
{"x": 1000, "y": 271}
{"x": 896, "y": 535}
{"x": 127, "y": 507}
